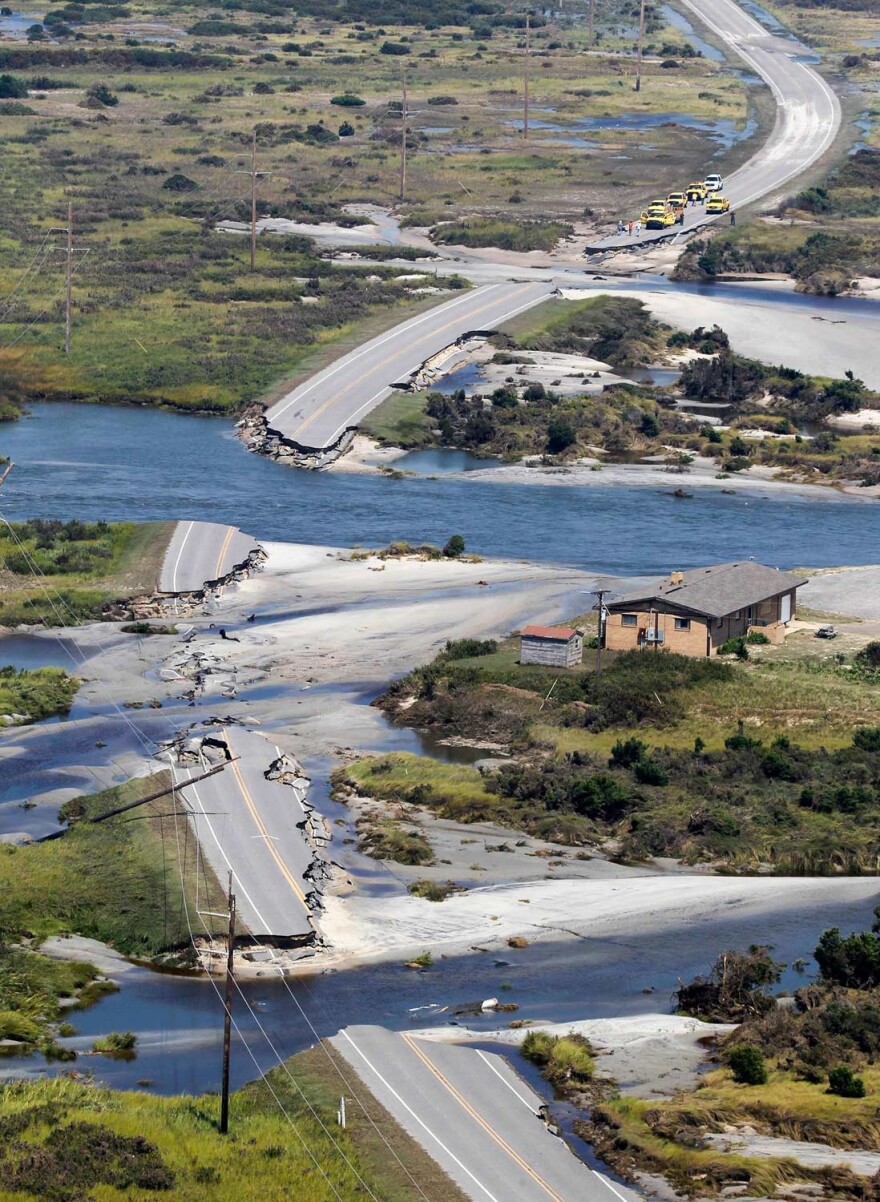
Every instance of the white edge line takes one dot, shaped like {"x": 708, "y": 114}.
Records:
{"x": 375, "y": 343}
{"x": 387, "y": 389}
{"x": 179, "y": 553}
{"x": 422, "y": 1124}
{"x": 504, "y": 1081}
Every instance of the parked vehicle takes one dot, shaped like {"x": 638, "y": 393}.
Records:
{"x": 714, "y": 183}
{"x": 826, "y": 632}
{"x": 676, "y": 199}
{"x": 661, "y": 221}
{"x": 717, "y": 204}
{"x": 697, "y": 191}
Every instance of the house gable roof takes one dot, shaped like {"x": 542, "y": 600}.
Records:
{"x": 714, "y": 591}
{"x": 558, "y": 634}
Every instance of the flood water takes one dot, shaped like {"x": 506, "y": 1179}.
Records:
{"x": 179, "y": 1019}
{"x": 92, "y": 462}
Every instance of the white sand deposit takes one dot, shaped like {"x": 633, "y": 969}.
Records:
{"x": 647, "y": 1055}
{"x": 399, "y": 927}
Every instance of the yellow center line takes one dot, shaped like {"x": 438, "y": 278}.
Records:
{"x": 499, "y": 1139}
{"x": 386, "y": 360}
{"x": 219, "y": 569}
{"x": 262, "y": 829}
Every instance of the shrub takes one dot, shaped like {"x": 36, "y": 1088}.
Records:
{"x": 648, "y": 772}
{"x": 454, "y": 547}
{"x": 442, "y": 100}
{"x": 868, "y": 659}
{"x": 534, "y": 392}
{"x": 394, "y": 48}
{"x": 346, "y": 130}
{"x": 560, "y": 435}
{"x": 735, "y": 646}
{"x": 852, "y": 961}
{"x": 348, "y": 100}
{"x": 263, "y": 89}
{"x": 12, "y": 88}
{"x": 100, "y": 96}
{"x": 867, "y": 738}
{"x": 756, "y": 638}
{"x": 747, "y": 1065}
{"x": 468, "y": 648}
{"x": 843, "y": 1081}
{"x": 627, "y": 752}
{"x": 179, "y": 183}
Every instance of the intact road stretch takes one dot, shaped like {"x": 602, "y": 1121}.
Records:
{"x": 475, "y": 1116}
{"x": 807, "y": 118}
{"x": 316, "y": 414}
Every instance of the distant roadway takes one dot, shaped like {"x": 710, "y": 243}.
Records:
{"x": 807, "y": 117}
{"x": 201, "y": 553}
{"x": 253, "y": 827}
{"x": 317, "y": 413}
{"x": 474, "y": 1116}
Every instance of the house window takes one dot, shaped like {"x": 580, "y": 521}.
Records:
{"x": 682, "y": 623}
{"x": 629, "y": 619}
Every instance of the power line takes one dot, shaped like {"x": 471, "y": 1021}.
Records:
{"x": 244, "y": 1042}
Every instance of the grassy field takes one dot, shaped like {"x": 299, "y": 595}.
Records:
{"x": 283, "y": 1143}
{"x": 117, "y": 881}
{"x": 36, "y": 693}
{"x": 81, "y": 567}
{"x": 741, "y": 764}
{"x": 166, "y": 312}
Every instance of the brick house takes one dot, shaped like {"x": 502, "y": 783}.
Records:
{"x": 555, "y": 646}
{"x": 693, "y": 613}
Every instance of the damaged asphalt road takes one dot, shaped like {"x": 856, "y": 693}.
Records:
{"x": 254, "y": 819}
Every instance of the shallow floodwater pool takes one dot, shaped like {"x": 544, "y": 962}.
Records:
{"x": 91, "y": 462}
{"x": 178, "y": 1020}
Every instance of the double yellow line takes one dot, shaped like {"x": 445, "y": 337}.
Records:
{"x": 218, "y": 571}
{"x": 490, "y": 1131}
{"x": 386, "y": 360}
{"x": 254, "y": 812}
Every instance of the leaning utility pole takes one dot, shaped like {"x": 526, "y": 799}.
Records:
{"x": 67, "y": 307}
{"x": 526, "y": 77}
{"x": 403, "y": 142}
{"x": 254, "y": 174}
{"x": 227, "y": 1018}
{"x": 638, "y": 87}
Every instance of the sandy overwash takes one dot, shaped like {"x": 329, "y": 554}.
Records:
{"x": 393, "y": 928}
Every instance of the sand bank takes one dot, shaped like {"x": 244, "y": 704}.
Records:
{"x": 373, "y": 929}
{"x": 646, "y": 1055}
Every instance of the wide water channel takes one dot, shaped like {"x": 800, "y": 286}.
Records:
{"x": 91, "y": 462}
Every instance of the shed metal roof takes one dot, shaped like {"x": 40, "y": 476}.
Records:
{"x": 558, "y": 634}
{"x": 715, "y": 591}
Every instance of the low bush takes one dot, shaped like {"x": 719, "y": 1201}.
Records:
{"x": 843, "y": 1082}
{"x": 747, "y": 1065}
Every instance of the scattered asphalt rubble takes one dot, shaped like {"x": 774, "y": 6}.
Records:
{"x": 257, "y": 807}
{"x": 198, "y": 601}
{"x": 255, "y": 433}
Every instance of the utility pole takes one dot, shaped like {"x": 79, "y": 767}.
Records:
{"x": 403, "y": 142}
{"x": 601, "y": 592}
{"x": 227, "y": 1017}
{"x": 254, "y": 174}
{"x": 592, "y": 19}
{"x": 526, "y": 77}
{"x": 67, "y": 307}
{"x": 638, "y": 87}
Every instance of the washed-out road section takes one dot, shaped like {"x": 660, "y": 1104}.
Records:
{"x": 201, "y": 554}
{"x": 808, "y": 117}
{"x": 255, "y": 828}
{"x": 475, "y": 1116}
{"x": 316, "y": 414}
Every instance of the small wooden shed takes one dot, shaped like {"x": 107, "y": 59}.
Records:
{"x": 555, "y": 646}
